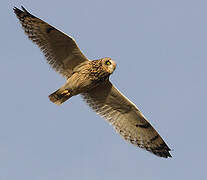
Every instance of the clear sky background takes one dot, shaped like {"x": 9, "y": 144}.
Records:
{"x": 161, "y": 51}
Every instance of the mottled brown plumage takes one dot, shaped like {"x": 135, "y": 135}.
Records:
{"x": 85, "y": 77}
{"x": 91, "y": 80}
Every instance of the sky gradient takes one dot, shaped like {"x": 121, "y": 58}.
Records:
{"x": 160, "y": 48}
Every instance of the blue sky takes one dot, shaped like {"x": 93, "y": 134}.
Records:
{"x": 160, "y": 50}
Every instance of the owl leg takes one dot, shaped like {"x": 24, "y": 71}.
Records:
{"x": 60, "y": 96}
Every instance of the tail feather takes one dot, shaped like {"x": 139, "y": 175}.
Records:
{"x": 60, "y": 96}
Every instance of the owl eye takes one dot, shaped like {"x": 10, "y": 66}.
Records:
{"x": 108, "y": 62}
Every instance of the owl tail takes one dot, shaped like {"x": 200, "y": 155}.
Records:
{"x": 60, "y": 96}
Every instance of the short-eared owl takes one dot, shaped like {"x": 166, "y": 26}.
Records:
{"x": 91, "y": 80}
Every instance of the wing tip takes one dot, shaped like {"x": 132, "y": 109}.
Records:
{"x": 22, "y": 12}
{"x": 163, "y": 151}
{"x": 165, "y": 154}
{"x": 17, "y": 11}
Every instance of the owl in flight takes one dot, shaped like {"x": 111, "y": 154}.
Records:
{"x": 90, "y": 79}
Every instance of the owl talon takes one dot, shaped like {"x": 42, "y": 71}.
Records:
{"x": 66, "y": 92}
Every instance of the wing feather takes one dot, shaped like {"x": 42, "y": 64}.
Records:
{"x": 60, "y": 50}
{"x": 125, "y": 117}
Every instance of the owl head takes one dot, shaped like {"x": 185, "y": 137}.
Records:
{"x": 108, "y": 64}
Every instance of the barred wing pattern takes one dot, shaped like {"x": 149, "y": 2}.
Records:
{"x": 60, "y": 50}
{"x": 127, "y": 120}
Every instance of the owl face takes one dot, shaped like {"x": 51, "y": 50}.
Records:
{"x": 109, "y": 65}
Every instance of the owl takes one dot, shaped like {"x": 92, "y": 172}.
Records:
{"x": 90, "y": 79}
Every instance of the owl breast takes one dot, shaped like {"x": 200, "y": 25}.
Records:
{"x": 87, "y": 77}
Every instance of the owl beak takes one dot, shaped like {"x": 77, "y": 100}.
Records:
{"x": 112, "y": 67}
{"x": 114, "y": 64}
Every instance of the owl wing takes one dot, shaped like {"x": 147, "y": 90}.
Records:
{"x": 60, "y": 50}
{"x": 125, "y": 117}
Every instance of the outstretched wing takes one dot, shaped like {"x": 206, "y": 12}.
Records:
{"x": 60, "y": 50}
{"x": 125, "y": 117}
